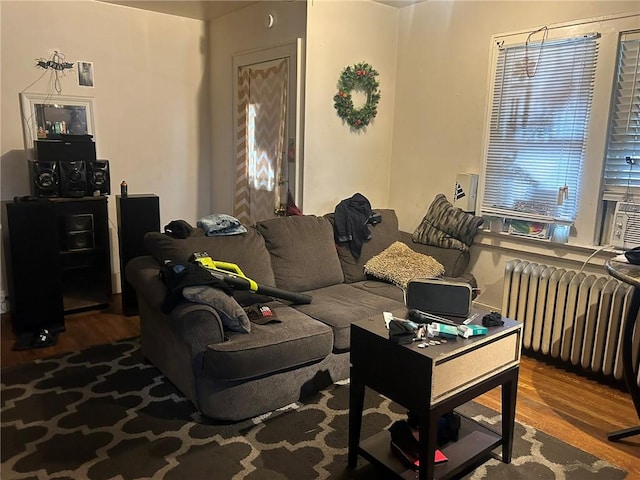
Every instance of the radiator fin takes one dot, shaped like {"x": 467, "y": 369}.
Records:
{"x": 569, "y": 315}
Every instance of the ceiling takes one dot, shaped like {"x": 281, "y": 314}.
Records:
{"x": 212, "y": 9}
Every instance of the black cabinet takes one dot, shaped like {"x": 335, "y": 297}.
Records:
{"x": 58, "y": 259}
{"x": 137, "y": 215}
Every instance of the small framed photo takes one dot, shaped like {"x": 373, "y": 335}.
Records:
{"x": 85, "y": 74}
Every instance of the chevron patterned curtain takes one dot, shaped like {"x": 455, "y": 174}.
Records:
{"x": 260, "y": 142}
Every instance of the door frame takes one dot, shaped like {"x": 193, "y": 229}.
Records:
{"x": 292, "y": 50}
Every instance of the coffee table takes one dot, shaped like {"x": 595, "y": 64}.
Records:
{"x": 431, "y": 382}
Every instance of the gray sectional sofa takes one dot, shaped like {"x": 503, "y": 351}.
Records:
{"x": 231, "y": 376}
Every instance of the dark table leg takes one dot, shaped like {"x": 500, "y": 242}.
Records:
{"x": 630, "y": 370}
{"x": 427, "y": 445}
{"x": 356, "y": 404}
{"x": 509, "y": 393}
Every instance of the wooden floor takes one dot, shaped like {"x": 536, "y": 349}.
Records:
{"x": 576, "y": 409}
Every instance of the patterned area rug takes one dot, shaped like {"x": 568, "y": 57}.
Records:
{"x": 106, "y": 413}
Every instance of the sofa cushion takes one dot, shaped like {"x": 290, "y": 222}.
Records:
{"x": 383, "y": 289}
{"x": 340, "y": 305}
{"x": 398, "y": 264}
{"x": 383, "y": 234}
{"x": 275, "y": 347}
{"x": 247, "y": 250}
{"x": 303, "y": 252}
{"x": 447, "y": 226}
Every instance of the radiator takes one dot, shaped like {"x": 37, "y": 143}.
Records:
{"x": 570, "y": 316}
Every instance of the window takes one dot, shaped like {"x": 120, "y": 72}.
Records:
{"x": 541, "y": 102}
{"x": 622, "y": 163}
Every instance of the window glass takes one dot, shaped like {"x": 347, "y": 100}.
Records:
{"x": 541, "y": 102}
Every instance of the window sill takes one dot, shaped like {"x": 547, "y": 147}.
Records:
{"x": 514, "y": 244}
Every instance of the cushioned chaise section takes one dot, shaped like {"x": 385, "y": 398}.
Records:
{"x": 383, "y": 234}
{"x": 229, "y": 400}
{"x": 297, "y": 340}
{"x": 340, "y": 305}
{"x": 167, "y": 341}
{"x": 303, "y": 252}
{"x": 247, "y": 250}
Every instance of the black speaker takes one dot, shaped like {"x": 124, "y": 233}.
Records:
{"x": 80, "y": 240}
{"x": 60, "y": 150}
{"x": 98, "y": 177}
{"x": 44, "y": 178}
{"x": 33, "y": 266}
{"x": 73, "y": 179}
{"x": 137, "y": 215}
{"x": 79, "y": 222}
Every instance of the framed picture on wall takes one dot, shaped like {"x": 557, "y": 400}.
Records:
{"x": 52, "y": 116}
{"x": 85, "y": 74}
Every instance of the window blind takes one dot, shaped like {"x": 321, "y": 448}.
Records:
{"x": 540, "y": 110}
{"x": 620, "y": 176}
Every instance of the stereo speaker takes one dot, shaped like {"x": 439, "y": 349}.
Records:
{"x": 137, "y": 215}
{"x": 44, "y": 179}
{"x": 98, "y": 177}
{"x": 33, "y": 266}
{"x": 79, "y": 222}
{"x": 73, "y": 179}
{"x": 439, "y": 296}
{"x": 59, "y": 150}
{"x": 80, "y": 240}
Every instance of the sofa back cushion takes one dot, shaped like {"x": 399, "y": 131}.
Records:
{"x": 383, "y": 234}
{"x": 303, "y": 252}
{"x": 247, "y": 250}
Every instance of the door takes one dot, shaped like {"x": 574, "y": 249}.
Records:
{"x": 267, "y": 132}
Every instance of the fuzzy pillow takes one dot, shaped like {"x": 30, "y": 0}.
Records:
{"x": 398, "y": 264}
{"x": 233, "y": 316}
{"x": 447, "y": 226}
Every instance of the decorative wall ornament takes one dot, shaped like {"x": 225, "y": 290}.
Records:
{"x": 362, "y": 77}
{"x": 57, "y": 64}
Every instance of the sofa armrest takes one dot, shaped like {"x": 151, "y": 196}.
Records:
{"x": 196, "y": 324}
{"x": 454, "y": 261}
{"x": 143, "y": 273}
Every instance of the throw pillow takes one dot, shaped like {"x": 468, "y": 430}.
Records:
{"x": 398, "y": 264}
{"x": 447, "y": 226}
{"x": 233, "y": 316}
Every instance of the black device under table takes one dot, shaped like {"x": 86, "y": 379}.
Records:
{"x": 431, "y": 382}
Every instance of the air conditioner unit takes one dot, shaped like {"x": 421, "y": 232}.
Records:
{"x": 625, "y": 233}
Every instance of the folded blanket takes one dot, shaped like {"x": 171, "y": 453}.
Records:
{"x": 220, "y": 224}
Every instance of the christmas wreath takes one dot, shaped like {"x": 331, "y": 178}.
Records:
{"x": 360, "y": 76}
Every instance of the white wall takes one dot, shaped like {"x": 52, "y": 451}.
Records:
{"x": 240, "y": 32}
{"x": 441, "y": 101}
{"x": 150, "y": 97}
{"x": 152, "y": 100}
{"x": 338, "y": 161}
